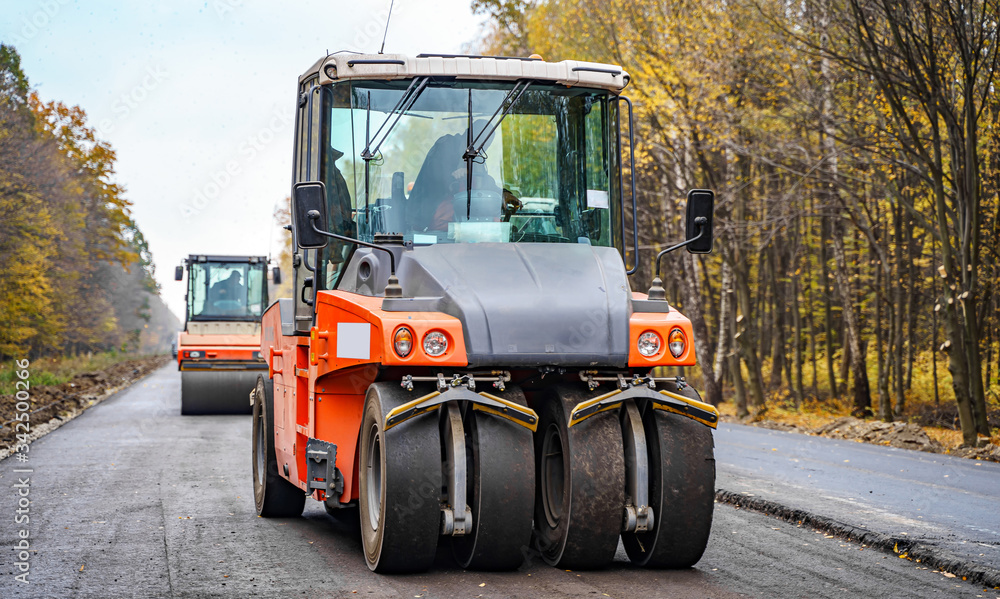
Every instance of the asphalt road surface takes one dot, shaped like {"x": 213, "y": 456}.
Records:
{"x": 948, "y": 503}
{"x": 134, "y": 500}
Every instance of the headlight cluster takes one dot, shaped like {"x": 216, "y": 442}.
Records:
{"x": 650, "y": 343}
{"x": 677, "y": 342}
{"x": 435, "y": 342}
{"x": 402, "y": 341}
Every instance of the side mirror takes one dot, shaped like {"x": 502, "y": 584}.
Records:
{"x": 309, "y": 197}
{"x": 179, "y": 273}
{"x": 276, "y": 275}
{"x": 700, "y": 206}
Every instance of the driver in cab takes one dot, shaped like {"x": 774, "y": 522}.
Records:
{"x": 230, "y": 289}
{"x": 443, "y": 175}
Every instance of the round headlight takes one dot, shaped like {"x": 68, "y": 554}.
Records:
{"x": 194, "y": 354}
{"x": 402, "y": 342}
{"x": 435, "y": 343}
{"x": 677, "y": 342}
{"x": 649, "y": 344}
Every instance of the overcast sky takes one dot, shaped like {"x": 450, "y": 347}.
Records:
{"x": 196, "y": 97}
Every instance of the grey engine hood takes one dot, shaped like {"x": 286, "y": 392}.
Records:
{"x": 530, "y": 304}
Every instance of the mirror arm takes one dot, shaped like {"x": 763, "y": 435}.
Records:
{"x": 701, "y": 232}
{"x": 314, "y": 215}
{"x": 656, "y": 291}
{"x": 392, "y": 287}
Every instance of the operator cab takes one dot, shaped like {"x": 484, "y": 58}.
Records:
{"x": 441, "y": 149}
{"x": 446, "y": 149}
{"x": 226, "y": 288}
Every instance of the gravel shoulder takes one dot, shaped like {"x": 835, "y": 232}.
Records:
{"x": 51, "y": 406}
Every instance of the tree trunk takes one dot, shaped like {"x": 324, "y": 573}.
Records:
{"x": 884, "y": 409}
{"x": 809, "y": 310}
{"x": 738, "y": 389}
{"x": 796, "y": 344}
{"x": 934, "y": 334}
{"x": 727, "y": 321}
{"x": 862, "y": 393}
{"x": 827, "y": 303}
{"x": 911, "y": 302}
{"x": 778, "y": 319}
{"x": 898, "y": 315}
{"x": 795, "y": 376}
{"x": 748, "y": 349}
{"x": 692, "y": 309}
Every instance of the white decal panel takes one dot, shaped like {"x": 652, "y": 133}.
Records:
{"x": 354, "y": 340}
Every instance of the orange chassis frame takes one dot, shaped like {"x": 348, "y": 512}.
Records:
{"x": 319, "y": 395}
{"x": 215, "y": 350}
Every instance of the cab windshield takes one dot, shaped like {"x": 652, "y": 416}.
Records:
{"x": 226, "y": 291}
{"x": 546, "y": 173}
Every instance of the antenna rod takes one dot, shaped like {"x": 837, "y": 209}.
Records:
{"x": 382, "y": 49}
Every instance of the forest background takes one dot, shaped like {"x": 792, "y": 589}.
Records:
{"x": 853, "y": 147}
{"x": 76, "y": 274}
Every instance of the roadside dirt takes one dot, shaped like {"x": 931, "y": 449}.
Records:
{"x": 53, "y": 405}
{"x": 906, "y": 435}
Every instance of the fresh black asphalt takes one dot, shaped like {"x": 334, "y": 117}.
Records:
{"x": 134, "y": 500}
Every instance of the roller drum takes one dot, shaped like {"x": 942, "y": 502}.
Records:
{"x": 217, "y": 391}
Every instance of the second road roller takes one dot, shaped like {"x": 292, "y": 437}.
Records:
{"x": 218, "y": 352}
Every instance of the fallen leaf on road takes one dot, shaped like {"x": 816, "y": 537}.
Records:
{"x": 482, "y": 584}
{"x": 948, "y": 575}
{"x": 81, "y": 568}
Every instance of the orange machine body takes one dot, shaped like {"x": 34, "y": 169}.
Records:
{"x": 320, "y": 380}
{"x": 201, "y": 352}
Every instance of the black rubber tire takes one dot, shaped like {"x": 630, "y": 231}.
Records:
{"x": 501, "y": 489}
{"x": 580, "y": 493}
{"x": 400, "y": 484}
{"x": 681, "y": 490}
{"x": 274, "y": 496}
{"x": 217, "y": 391}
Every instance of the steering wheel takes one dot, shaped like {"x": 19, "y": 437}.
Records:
{"x": 484, "y": 204}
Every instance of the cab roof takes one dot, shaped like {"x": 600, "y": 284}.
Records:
{"x": 571, "y": 73}
{"x": 192, "y": 258}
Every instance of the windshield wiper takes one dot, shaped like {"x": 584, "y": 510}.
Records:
{"x": 416, "y": 87}
{"x": 405, "y": 103}
{"x": 475, "y": 146}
